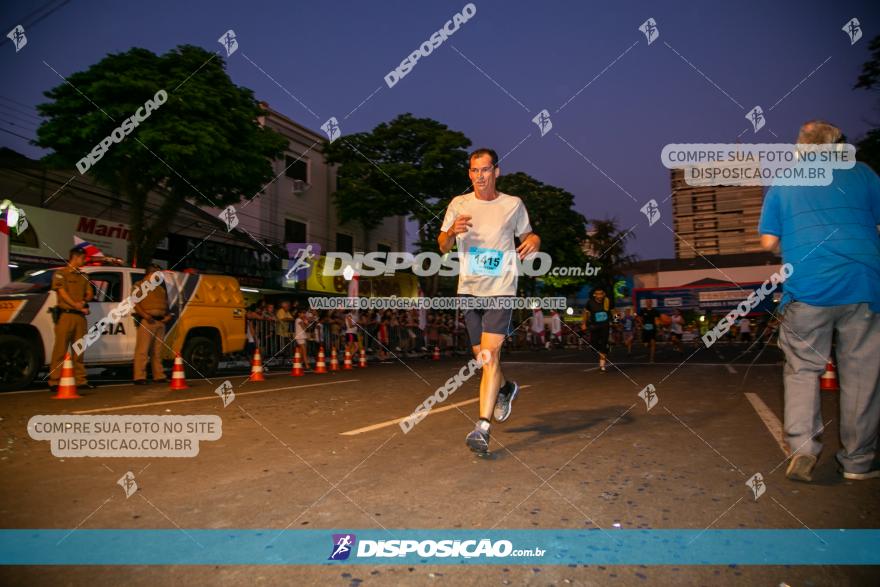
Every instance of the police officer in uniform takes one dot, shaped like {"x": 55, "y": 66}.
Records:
{"x": 152, "y": 311}
{"x": 74, "y": 292}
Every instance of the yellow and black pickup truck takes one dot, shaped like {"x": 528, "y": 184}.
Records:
{"x": 208, "y": 321}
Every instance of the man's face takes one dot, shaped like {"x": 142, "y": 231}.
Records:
{"x": 649, "y": 304}
{"x": 77, "y": 261}
{"x": 483, "y": 173}
{"x": 599, "y": 295}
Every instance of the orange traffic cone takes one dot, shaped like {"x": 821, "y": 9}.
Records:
{"x": 178, "y": 378}
{"x": 828, "y": 379}
{"x": 321, "y": 366}
{"x": 436, "y": 355}
{"x": 363, "y": 362}
{"x": 346, "y": 364}
{"x": 257, "y": 367}
{"x": 297, "y": 370}
{"x": 334, "y": 360}
{"x": 67, "y": 383}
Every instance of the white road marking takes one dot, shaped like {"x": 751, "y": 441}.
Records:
{"x": 399, "y": 420}
{"x": 128, "y": 383}
{"x": 503, "y": 362}
{"x": 770, "y": 420}
{"x": 46, "y": 390}
{"x": 649, "y": 364}
{"x": 212, "y": 397}
{"x": 730, "y": 368}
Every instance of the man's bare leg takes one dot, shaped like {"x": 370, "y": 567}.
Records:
{"x": 492, "y": 379}
{"x": 491, "y": 382}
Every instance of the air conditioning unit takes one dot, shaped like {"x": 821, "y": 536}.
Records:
{"x": 300, "y": 187}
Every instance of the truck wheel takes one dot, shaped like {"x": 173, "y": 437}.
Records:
{"x": 201, "y": 356}
{"x": 19, "y": 362}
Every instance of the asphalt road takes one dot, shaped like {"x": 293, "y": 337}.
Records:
{"x": 580, "y": 451}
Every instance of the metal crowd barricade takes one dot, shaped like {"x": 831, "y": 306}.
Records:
{"x": 275, "y": 349}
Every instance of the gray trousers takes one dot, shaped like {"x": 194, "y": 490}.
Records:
{"x": 805, "y": 336}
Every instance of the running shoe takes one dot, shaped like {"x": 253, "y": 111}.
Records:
{"x": 504, "y": 403}
{"x": 478, "y": 440}
{"x": 871, "y": 474}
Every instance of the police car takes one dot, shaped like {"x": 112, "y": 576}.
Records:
{"x": 207, "y": 322}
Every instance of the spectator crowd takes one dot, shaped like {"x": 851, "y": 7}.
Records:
{"x": 279, "y": 327}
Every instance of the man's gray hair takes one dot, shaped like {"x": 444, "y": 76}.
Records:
{"x": 818, "y": 132}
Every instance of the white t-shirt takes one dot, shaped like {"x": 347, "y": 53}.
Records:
{"x": 537, "y": 321}
{"x": 351, "y": 324}
{"x": 677, "y": 321}
{"x": 299, "y": 327}
{"x": 487, "y": 253}
{"x": 555, "y": 323}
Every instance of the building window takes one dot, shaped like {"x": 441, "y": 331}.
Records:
{"x": 296, "y": 168}
{"x": 294, "y": 232}
{"x": 344, "y": 243}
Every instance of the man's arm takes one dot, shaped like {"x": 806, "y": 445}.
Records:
{"x": 770, "y": 242}
{"x": 529, "y": 243}
{"x": 138, "y": 308}
{"x": 770, "y": 223}
{"x": 446, "y": 240}
{"x": 58, "y": 286}
{"x": 62, "y": 293}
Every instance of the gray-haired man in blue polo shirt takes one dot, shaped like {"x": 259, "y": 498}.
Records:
{"x": 829, "y": 236}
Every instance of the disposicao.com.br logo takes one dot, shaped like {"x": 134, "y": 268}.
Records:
{"x": 344, "y": 544}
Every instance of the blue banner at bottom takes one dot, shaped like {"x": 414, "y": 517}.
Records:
{"x": 412, "y": 547}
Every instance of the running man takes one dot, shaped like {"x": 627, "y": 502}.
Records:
{"x": 745, "y": 329}
{"x": 301, "y": 336}
{"x": 537, "y": 327}
{"x": 648, "y": 318}
{"x": 676, "y": 330}
{"x": 598, "y": 313}
{"x": 556, "y": 329}
{"x": 627, "y": 322}
{"x": 351, "y": 327}
{"x": 483, "y": 224}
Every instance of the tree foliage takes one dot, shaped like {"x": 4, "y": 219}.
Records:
{"x": 409, "y": 166}
{"x": 869, "y": 146}
{"x": 608, "y": 245}
{"x": 204, "y": 144}
{"x": 553, "y": 218}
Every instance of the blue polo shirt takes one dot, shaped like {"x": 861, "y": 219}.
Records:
{"x": 829, "y": 235}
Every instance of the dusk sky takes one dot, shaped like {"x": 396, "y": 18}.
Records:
{"x": 638, "y": 97}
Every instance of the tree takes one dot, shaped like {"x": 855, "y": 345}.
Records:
{"x": 608, "y": 245}
{"x": 409, "y": 166}
{"x": 869, "y": 146}
{"x": 204, "y": 144}
{"x": 561, "y": 228}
